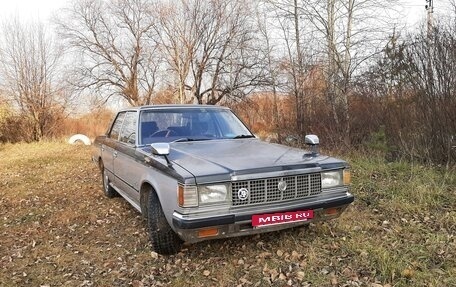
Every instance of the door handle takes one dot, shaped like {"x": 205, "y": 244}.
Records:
{"x": 114, "y": 154}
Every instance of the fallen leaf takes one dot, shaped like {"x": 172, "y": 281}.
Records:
{"x": 324, "y": 271}
{"x": 407, "y": 273}
{"x": 245, "y": 281}
{"x": 265, "y": 255}
{"x": 300, "y": 275}
{"x": 274, "y": 274}
{"x": 295, "y": 255}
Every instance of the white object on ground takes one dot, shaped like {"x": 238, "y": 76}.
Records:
{"x": 79, "y": 138}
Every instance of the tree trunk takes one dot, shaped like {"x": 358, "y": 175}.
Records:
{"x": 300, "y": 75}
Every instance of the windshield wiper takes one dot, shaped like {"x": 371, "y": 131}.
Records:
{"x": 189, "y": 140}
{"x": 243, "y": 136}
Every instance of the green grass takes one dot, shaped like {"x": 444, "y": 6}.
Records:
{"x": 58, "y": 229}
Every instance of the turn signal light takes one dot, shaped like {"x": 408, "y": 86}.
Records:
{"x": 187, "y": 195}
{"x": 331, "y": 211}
{"x": 208, "y": 232}
{"x": 347, "y": 177}
{"x": 180, "y": 195}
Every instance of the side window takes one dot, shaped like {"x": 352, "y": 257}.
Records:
{"x": 128, "y": 133}
{"x": 115, "y": 130}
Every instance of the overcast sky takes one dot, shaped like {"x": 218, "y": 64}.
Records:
{"x": 413, "y": 10}
{"x": 29, "y": 9}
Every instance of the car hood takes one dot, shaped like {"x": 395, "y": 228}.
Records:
{"x": 219, "y": 160}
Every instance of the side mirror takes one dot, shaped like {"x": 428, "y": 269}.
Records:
{"x": 160, "y": 149}
{"x": 313, "y": 141}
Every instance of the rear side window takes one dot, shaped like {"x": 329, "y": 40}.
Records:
{"x": 115, "y": 130}
{"x": 128, "y": 133}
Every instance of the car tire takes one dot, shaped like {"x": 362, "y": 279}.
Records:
{"x": 79, "y": 139}
{"x": 108, "y": 190}
{"x": 164, "y": 240}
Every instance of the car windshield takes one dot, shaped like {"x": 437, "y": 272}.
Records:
{"x": 189, "y": 124}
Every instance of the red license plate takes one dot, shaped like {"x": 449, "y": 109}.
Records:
{"x": 281, "y": 217}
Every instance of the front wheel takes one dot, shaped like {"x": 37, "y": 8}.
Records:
{"x": 164, "y": 239}
{"x": 108, "y": 190}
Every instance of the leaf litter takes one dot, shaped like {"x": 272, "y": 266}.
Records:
{"x": 57, "y": 229}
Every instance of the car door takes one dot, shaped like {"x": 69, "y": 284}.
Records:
{"x": 127, "y": 169}
{"x": 108, "y": 149}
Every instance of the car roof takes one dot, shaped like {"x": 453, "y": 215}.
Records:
{"x": 174, "y": 106}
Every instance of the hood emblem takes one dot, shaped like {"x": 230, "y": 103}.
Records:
{"x": 282, "y": 186}
{"x": 243, "y": 193}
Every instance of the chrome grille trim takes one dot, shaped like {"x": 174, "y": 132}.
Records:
{"x": 283, "y": 173}
{"x": 265, "y": 190}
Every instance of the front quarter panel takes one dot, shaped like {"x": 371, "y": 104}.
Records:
{"x": 164, "y": 180}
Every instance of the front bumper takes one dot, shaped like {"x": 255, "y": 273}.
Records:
{"x": 239, "y": 223}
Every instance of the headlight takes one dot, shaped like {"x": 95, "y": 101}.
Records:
{"x": 212, "y": 193}
{"x": 331, "y": 179}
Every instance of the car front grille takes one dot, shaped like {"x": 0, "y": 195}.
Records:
{"x": 267, "y": 189}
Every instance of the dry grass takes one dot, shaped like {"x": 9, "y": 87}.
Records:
{"x": 58, "y": 229}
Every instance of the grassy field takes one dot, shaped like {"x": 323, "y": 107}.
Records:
{"x": 58, "y": 229}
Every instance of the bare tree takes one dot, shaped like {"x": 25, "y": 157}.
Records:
{"x": 412, "y": 90}
{"x": 432, "y": 72}
{"x": 30, "y": 65}
{"x": 452, "y": 5}
{"x": 114, "y": 42}
{"x": 178, "y": 38}
{"x": 272, "y": 67}
{"x": 352, "y": 30}
{"x": 333, "y": 35}
{"x": 297, "y": 56}
{"x": 210, "y": 47}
